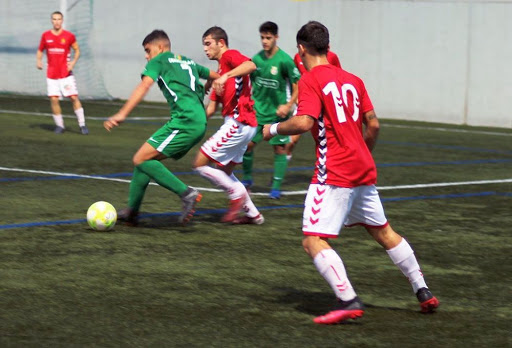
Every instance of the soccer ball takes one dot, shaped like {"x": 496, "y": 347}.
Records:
{"x": 102, "y": 216}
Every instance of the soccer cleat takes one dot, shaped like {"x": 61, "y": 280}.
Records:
{"x": 235, "y": 205}
{"x": 245, "y": 220}
{"x": 247, "y": 183}
{"x": 84, "y": 130}
{"x": 275, "y": 194}
{"x": 344, "y": 310}
{"x": 59, "y": 130}
{"x": 128, "y": 216}
{"x": 189, "y": 204}
{"x": 428, "y": 302}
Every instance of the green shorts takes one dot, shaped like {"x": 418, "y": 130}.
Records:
{"x": 277, "y": 140}
{"x": 176, "y": 142}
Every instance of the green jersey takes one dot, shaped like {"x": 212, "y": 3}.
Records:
{"x": 178, "y": 79}
{"x": 271, "y": 83}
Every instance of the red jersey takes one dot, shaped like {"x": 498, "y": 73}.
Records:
{"x": 57, "y": 52}
{"x": 337, "y": 99}
{"x": 236, "y": 99}
{"x": 331, "y": 57}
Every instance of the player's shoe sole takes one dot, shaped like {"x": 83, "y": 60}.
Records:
{"x": 245, "y": 220}
{"x": 189, "y": 205}
{"x": 343, "y": 310}
{"x": 428, "y": 302}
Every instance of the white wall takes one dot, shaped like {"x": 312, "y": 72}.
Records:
{"x": 443, "y": 61}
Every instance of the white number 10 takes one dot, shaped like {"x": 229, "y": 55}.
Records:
{"x": 331, "y": 88}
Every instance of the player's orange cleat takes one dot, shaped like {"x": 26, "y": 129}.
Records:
{"x": 344, "y": 310}
{"x": 235, "y": 205}
{"x": 428, "y": 302}
{"x": 189, "y": 203}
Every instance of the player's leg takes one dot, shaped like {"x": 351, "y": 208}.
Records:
{"x": 322, "y": 220}
{"x": 368, "y": 211}
{"x": 248, "y": 158}
{"x": 70, "y": 90}
{"x": 54, "y": 93}
{"x": 280, "y": 165}
{"x": 294, "y": 139}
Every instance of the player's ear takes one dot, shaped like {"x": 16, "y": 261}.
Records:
{"x": 300, "y": 49}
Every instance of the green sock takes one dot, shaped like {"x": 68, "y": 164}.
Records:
{"x": 247, "y": 165}
{"x": 163, "y": 176}
{"x": 280, "y": 164}
{"x": 138, "y": 185}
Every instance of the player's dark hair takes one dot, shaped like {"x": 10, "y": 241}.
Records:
{"x": 156, "y": 35}
{"x": 217, "y": 34}
{"x": 315, "y": 37}
{"x": 269, "y": 27}
{"x": 58, "y": 13}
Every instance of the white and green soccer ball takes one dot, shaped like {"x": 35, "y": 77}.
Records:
{"x": 102, "y": 216}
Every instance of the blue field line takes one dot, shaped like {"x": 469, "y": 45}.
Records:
{"x": 446, "y": 147}
{"x": 273, "y": 207}
{"x": 270, "y": 170}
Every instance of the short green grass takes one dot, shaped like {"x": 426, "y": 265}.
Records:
{"x": 214, "y": 285}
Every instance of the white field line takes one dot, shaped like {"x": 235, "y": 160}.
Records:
{"x": 135, "y": 118}
{"x": 87, "y": 117}
{"x": 288, "y": 193}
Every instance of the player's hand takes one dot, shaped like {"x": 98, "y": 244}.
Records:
{"x": 207, "y": 86}
{"x": 283, "y": 110}
{"x": 218, "y": 84}
{"x": 113, "y": 121}
{"x": 266, "y": 132}
{"x": 39, "y": 65}
{"x": 70, "y": 66}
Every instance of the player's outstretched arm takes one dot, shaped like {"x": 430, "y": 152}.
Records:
{"x": 371, "y": 132}
{"x": 243, "y": 69}
{"x": 136, "y": 97}
{"x": 296, "y": 125}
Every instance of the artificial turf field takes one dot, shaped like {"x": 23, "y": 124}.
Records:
{"x": 446, "y": 188}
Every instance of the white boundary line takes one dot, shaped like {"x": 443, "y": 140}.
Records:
{"x": 287, "y": 193}
{"x": 135, "y": 118}
{"x": 97, "y": 118}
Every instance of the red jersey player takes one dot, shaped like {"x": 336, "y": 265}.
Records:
{"x": 227, "y": 146}
{"x": 334, "y": 105}
{"x": 333, "y": 59}
{"x": 59, "y": 77}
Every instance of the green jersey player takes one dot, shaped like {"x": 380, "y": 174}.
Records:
{"x": 178, "y": 78}
{"x": 274, "y": 90}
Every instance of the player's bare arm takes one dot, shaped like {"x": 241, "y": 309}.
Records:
{"x": 39, "y": 59}
{"x": 371, "y": 131}
{"x": 243, "y": 69}
{"x": 284, "y": 110}
{"x": 296, "y": 125}
{"x": 76, "y": 55}
{"x": 211, "y": 108}
{"x": 136, "y": 97}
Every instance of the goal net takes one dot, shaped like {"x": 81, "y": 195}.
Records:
{"x": 22, "y": 23}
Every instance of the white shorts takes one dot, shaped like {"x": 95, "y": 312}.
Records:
{"x": 65, "y": 87}
{"x": 229, "y": 143}
{"x": 328, "y": 208}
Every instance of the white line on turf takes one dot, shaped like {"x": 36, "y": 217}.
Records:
{"x": 287, "y": 193}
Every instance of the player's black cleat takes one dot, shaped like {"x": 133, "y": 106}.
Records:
{"x": 343, "y": 310}
{"x": 59, "y": 130}
{"x": 84, "y": 130}
{"x": 428, "y": 302}
{"x": 128, "y": 216}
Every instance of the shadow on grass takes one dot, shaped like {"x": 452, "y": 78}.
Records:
{"x": 318, "y": 303}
